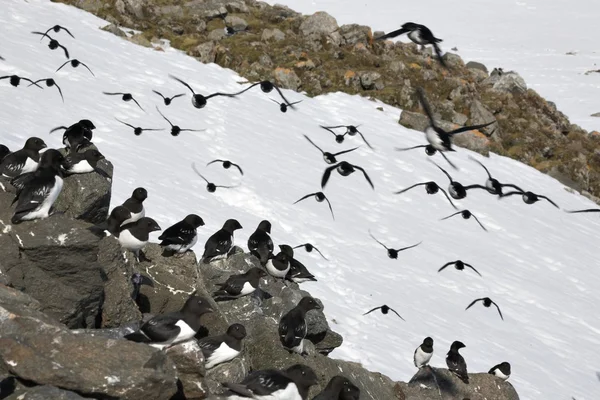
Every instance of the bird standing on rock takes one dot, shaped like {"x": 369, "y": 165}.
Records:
{"x": 182, "y": 236}
{"x": 456, "y": 363}
{"x": 134, "y": 236}
{"x": 292, "y": 326}
{"x": 221, "y": 242}
{"x": 260, "y": 243}
{"x": 423, "y": 353}
{"x": 237, "y": 286}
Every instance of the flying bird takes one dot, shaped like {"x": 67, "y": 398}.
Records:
{"x": 50, "y": 82}
{"x": 466, "y": 214}
{"x": 393, "y": 253}
{"x": 344, "y": 168}
{"x": 198, "y": 100}
{"x": 168, "y": 100}
{"x": 15, "y": 80}
{"x": 309, "y": 248}
{"x": 418, "y": 34}
{"x": 487, "y": 302}
{"x": 459, "y": 265}
{"x": 529, "y": 197}
{"x": 53, "y": 43}
{"x": 589, "y": 210}
{"x": 320, "y": 197}
{"x": 493, "y": 185}
{"x": 125, "y": 97}
{"x": 175, "y": 129}
{"x": 267, "y": 87}
{"x": 351, "y": 130}
{"x": 456, "y": 189}
{"x": 75, "y": 63}
{"x": 327, "y": 156}
{"x": 211, "y": 187}
{"x": 284, "y": 106}
{"x": 58, "y": 28}
{"x": 429, "y": 150}
{"x": 339, "y": 138}
{"x": 137, "y": 131}
{"x": 430, "y": 187}
{"x": 227, "y": 164}
{"x": 384, "y": 310}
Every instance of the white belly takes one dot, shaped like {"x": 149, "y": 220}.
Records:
{"x": 185, "y": 334}
{"x": 82, "y": 167}
{"x": 421, "y": 358}
{"x": 499, "y": 374}
{"x": 135, "y": 217}
{"x": 30, "y": 166}
{"x": 130, "y": 242}
{"x": 415, "y": 37}
{"x": 182, "y": 248}
{"x": 43, "y": 210}
{"x": 223, "y": 354}
{"x": 275, "y": 272}
{"x": 289, "y": 393}
{"x": 434, "y": 139}
{"x": 247, "y": 289}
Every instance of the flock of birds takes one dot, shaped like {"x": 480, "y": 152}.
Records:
{"x": 37, "y": 172}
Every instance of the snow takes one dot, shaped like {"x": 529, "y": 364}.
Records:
{"x": 538, "y": 263}
{"x": 531, "y": 37}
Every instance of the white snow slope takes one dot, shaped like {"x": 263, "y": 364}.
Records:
{"x": 531, "y": 37}
{"x": 538, "y": 263}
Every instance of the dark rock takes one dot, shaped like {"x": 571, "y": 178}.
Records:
{"x": 508, "y": 82}
{"x": 44, "y": 393}
{"x": 205, "y": 9}
{"x": 595, "y": 114}
{"x": 477, "y": 65}
{"x": 371, "y": 80}
{"x": 189, "y": 360}
{"x": 319, "y": 23}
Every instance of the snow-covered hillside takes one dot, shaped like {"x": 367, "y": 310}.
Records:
{"x": 538, "y": 263}
{"x": 531, "y": 37}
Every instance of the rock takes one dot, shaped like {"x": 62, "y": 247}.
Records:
{"x": 189, "y": 361}
{"x": 354, "y": 33}
{"x": 287, "y": 78}
{"x": 140, "y": 39}
{"x": 216, "y": 34}
{"x": 397, "y": 66}
{"x": 481, "y": 115}
{"x": 205, "y": 9}
{"x": 414, "y": 120}
{"x": 44, "y": 393}
{"x": 371, "y": 80}
{"x": 265, "y": 61}
{"x": 272, "y": 34}
{"x": 135, "y": 8}
{"x": 319, "y": 23}
{"x": 510, "y": 82}
{"x": 595, "y": 114}
{"x": 178, "y": 30}
{"x": 237, "y": 23}
{"x": 172, "y": 12}
{"x": 237, "y": 7}
{"x": 473, "y": 140}
{"x": 459, "y": 119}
{"x": 233, "y": 371}
{"x": 115, "y": 30}
{"x": 477, "y": 65}
{"x": 453, "y": 60}
{"x": 205, "y": 52}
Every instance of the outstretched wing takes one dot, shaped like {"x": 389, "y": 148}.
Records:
{"x": 469, "y": 128}
{"x": 345, "y": 151}
{"x": 473, "y": 302}
{"x": 550, "y": 201}
{"x": 451, "y": 215}
{"x": 374, "y": 238}
{"x": 498, "y": 308}
{"x": 393, "y": 34}
{"x": 446, "y": 265}
{"x": 305, "y": 197}
{"x": 410, "y": 187}
{"x": 366, "y": 176}
{"x": 365, "y": 140}
{"x": 311, "y": 142}
{"x": 448, "y": 197}
{"x": 183, "y": 83}
{"x": 440, "y": 57}
{"x": 477, "y": 219}
{"x": 238, "y": 167}
{"x": 397, "y": 314}
{"x": 370, "y": 311}
{"x": 330, "y": 208}
{"x": 326, "y": 175}
{"x": 473, "y": 268}
{"x": 198, "y": 173}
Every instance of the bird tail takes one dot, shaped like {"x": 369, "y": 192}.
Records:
{"x": 463, "y": 376}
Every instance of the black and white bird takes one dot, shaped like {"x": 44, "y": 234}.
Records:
{"x": 420, "y": 35}
{"x": 125, "y": 97}
{"x": 393, "y": 253}
{"x": 309, "y": 248}
{"x": 320, "y": 197}
{"x": 135, "y": 205}
{"x": 487, "y": 302}
{"x": 78, "y": 135}
{"x": 260, "y": 243}
{"x": 278, "y": 265}
{"x": 327, "y": 156}
{"x": 339, "y": 387}
{"x": 456, "y": 189}
{"x": 24, "y": 160}
{"x": 117, "y": 216}
{"x": 15, "y": 80}
{"x": 176, "y": 129}
{"x": 57, "y": 29}
{"x": 283, "y": 107}
{"x": 134, "y": 236}
{"x": 49, "y": 83}
{"x": 529, "y": 197}
{"x": 210, "y": 187}
{"x": 292, "y": 383}
{"x": 222, "y": 348}
{"x": 53, "y": 44}
{"x": 241, "y": 285}
{"x": 423, "y": 353}
{"x": 429, "y": 150}
{"x": 267, "y": 87}
{"x": 491, "y": 184}
{"x": 344, "y": 168}
{"x": 501, "y": 370}
{"x": 351, "y": 130}
{"x": 182, "y": 236}
{"x": 298, "y": 272}
{"x": 292, "y": 326}
{"x": 466, "y": 214}
{"x": 456, "y": 363}
{"x": 430, "y": 187}
{"x": 459, "y": 265}
{"x": 4, "y": 151}
{"x": 166, "y": 330}
{"x": 385, "y": 310}
{"x": 84, "y": 163}
{"x": 39, "y": 189}
{"x": 227, "y": 164}
{"x": 137, "y": 131}
{"x": 75, "y": 63}
{"x": 198, "y": 100}
{"x": 221, "y": 242}
{"x": 168, "y": 100}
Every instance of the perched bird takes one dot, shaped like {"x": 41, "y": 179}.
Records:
{"x": 344, "y": 168}
{"x": 351, "y": 130}
{"x": 175, "y": 129}
{"x": 241, "y": 285}
{"x": 168, "y": 100}
{"x": 501, "y": 370}
{"x": 260, "y": 243}
{"x": 222, "y": 348}
{"x": 309, "y": 248}
{"x": 459, "y": 265}
{"x": 137, "y": 131}
{"x": 384, "y": 310}
{"x": 78, "y": 135}
{"x": 117, "y": 217}
{"x": 135, "y": 205}
{"x": 292, "y": 326}
{"x": 430, "y": 187}
{"x": 327, "y": 156}
{"x": 4, "y": 151}
{"x": 320, "y": 197}
{"x": 298, "y": 273}
{"x": 278, "y": 265}
{"x": 57, "y": 29}
{"x": 75, "y": 63}
{"x": 493, "y": 185}
{"x": 418, "y": 34}
{"x": 227, "y": 164}
{"x": 124, "y": 97}
{"x": 15, "y": 80}
{"x": 137, "y": 280}
{"x": 292, "y": 383}
{"x": 456, "y": 189}
{"x": 283, "y": 107}
{"x": 166, "y": 330}
{"x": 24, "y": 160}
{"x": 49, "y": 82}
{"x": 423, "y": 353}
{"x": 339, "y": 387}
{"x": 210, "y": 187}
{"x": 456, "y": 363}
{"x": 84, "y": 163}
{"x": 134, "y": 236}
{"x": 487, "y": 302}
{"x": 182, "y": 236}
{"x": 53, "y": 43}
{"x": 466, "y": 214}
{"x": 40, "y": 190}
{"x": 198, "y": 100}
{"x": 267, "y": 87}
{"x": 221, "y": 242}
{"x": 529, "y": 197}
{"x": 392, "y": 253}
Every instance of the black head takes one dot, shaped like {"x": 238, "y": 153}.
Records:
{"x": 226, "y": 164}
{"x": 35, "y": 144}
{"x": 329, "y": 158}
{"x": 137, "y": 131}
{"x": 140, "y": 194}
{"x": 175, "y": 130}
{"x": 385, "y": 309}
{"x": 87, "y": 124}
{"x": 504, "y": 367}
{"x": 352, "y": 130}
{"x": 4, "y": 151}
{"x": 198, "y": 101}
{"x": 457, "y": 346}
{"x": 231, "y": 225}
{"x": 167, "y": 101}
{"x": 211, "y": 187}
{"x": 120, "y": 214}
{"x": 53, "y": 44}
{"x": 15, "y": 80}
{"x": 466, "y": 214}
{"x": 287, "y": 250}
{"x": 283, "y": 107}
{"x": 197, "y": 306}
{"x": 75, "y": 63}
{"x": 194, "y": 220}
{"x": 265, "y": 226}
{"x": 487, "y": 301}
{"x": 308, "y": 303}
{"x": 339, "y": 138}
{"x": 266, "y": 86}
{"x": 148, "y": 224}
{"x": 338, "y": 383}
{"x": 393, "y": 254}
{"x": 431, "y": 187}
{"x": 320, "y": 196}
{"x": 51, "y": 159}
{"x": 93, "y": 155}
{"x": 127, "y": 97}
{"x": 237, "y": 331}
{"x": 50, "y": 82}
{"x": 350, "y": 392}
{"x": 308, "y": 247}
{"x": 428, "y": 342}
{"x": 302, "y": 375}
{"x": 255, "y": 271}
{"x": 430, "y": 150}
{"x": 459, "y": 265}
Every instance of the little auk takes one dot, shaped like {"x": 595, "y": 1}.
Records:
{"x": 320, "y": 197}
{"x": 223, "y": 348}
{"x": 327, "y": 156}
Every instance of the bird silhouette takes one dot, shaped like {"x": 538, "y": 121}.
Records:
{"x": 175, "y": 129}
{"x": 15, "y": 80}
{"x": 309, "y": 248}
{"x": 327, "y": 156}
{"x": 459, "y": 265}
{"x": 384, "y": 310}
{"x": 198, "y": 100}
{"x": 267, "y": 87}
{"x": 351, "y": 130}
{"x": 429, "y": 150}
{"x": 210, "y": 187}
{"x": 418, "y": 34}
{"x": 430, "y": 187}
{"x": 168, "y": 100}
{"x": 57, "y": 29}
{"x": 529, "y": 197}
{"x": 344, "y": 168}
{"x": 487, "y": 302}
{"x": 393, "y": 253}
{"x": 50, "y": 82}
{"x": 284, "y": 106}
{"x": 53, "y": 44}
{"x": 137, "y": 131}
{"x": 493, "y": 185}
{"x": 124, "y": 97}
{"x": 75, "y": 63}
{"x": 466, "y": 214}
{"x": 320, "y": 197}
{"x": 227, "y": 164}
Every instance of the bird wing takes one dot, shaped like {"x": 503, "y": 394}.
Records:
{"x": 483, "y": 166}
{"x": 365, "y": 140}
{"x": 438, "y": 53}
{"x": 370, "y": 311}
{"x": 477, "y": 219}
{"x": 448, "y": 161}
{"x": 410, "y": 187}
{"x": 365, "y": 174}
{"x": 393, "y": 34}
{"x": 425, "y": 105}
{"x": 283, "y": 97}
{"x": 476, "y": 187}
{"x": 59, "y": 91}
{"x": 158, "y": 93}
{"x": 326, "y": 175}
{"x": 66, "y": 30}
{"x": 248, "y": 88}
{"x": 32, "y": 82}
{"x": 192, "y": 130}
{"x": 469, "y": 128}
{"x": 451, "y": 215}
{"x": 238, "y": 167}
{"x": 318, "y": 251}
{"x": 210, "y": 344}
{"x": 32, "y": 196}
{"x": 345, "y": 151}
{"x": 397, "y": 314}
{"x": 214, "y": 161}
{"x": 473, "y": 302}
{"x": 88, "y": 68}
{"x": 138, "y": 104}
{"x": 329, "y": 129}
{"x": 584, "y": 211}
{"x": 448, "y": 197}
{"x": 445, "y": 173}
{"x": 409, "y": 247}
{"x": 113, "y": 94}
{"x": 180, "y": 233}
{"x": 162, "y": 327}
{"x": 446, "y": 265}
{"x": 512, "y": 186}
{"x": 65, "y": 50}
{"x": 374, "y": 238}
{"x": 219, "y": 94}
{"x": 330, "y": 208}
{"x": 498, "y": 308}
{"x": 311, "y": 142}
{"x": 161, "y": 114}
{"x": 43, "y": 34}
{"x": 550, "y": 201}
{"x": 183, "y": 83}
{"x": 473, "y": 268}
{"x": 125, "y": 123}
{"x": 20, "y": 181}
{"x": 177, "y": 95}
{"x": 263, "y": 383}
{"x": 198, "y": 173}
{"x": 510, "y": 194}
{"x": 305, "y": 197}
{"x": 63, "y": 65}
{"x": 409, "y": 148}
{"x": 233, "y": 285}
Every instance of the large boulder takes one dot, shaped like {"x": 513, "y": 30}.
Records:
{"x": 319, "y": 23}
{"x": 44, "y": 393}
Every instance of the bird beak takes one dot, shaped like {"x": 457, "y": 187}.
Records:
{"x": 156, "y": 227}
